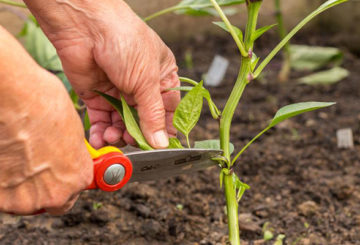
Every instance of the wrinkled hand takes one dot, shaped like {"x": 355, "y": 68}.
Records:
{"x": 107, "y": 48}
{"x": 44, "y": 163}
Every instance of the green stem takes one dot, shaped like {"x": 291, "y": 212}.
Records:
{"x": 286, "y": 66}
{"x": 180, "y": 7}
{"x": 188, "y": 80}
{"x": 322, "y": 8}
{"x": 236, "y": 38}
{"x": 226, "y": 118}
{"x": 231, "y": 104}
{"x": 164, "y": 11}
{"x": 248, "y": 144}
{"x": 232, "y": 209}
{"x": 12, "y": 3}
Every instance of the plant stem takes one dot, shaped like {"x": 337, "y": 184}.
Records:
{"x": 227, "y": 115}
{"x": 325, "y": 6}
{"x": 286, "y": 66}
{"x": 248, "y": 144}
{"x": 12, "y": 3}
{"x": 164, "y": 11}
{"x": 236, "y": 38}
{"x": 180, "y": 7}
{"x": 232, "y": 209}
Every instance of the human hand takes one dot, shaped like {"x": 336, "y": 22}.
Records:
{"x": 104, "y": 46}
{"x": 44, "y": 162}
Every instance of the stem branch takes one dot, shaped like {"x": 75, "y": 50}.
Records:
{"x": 12, "y": 3}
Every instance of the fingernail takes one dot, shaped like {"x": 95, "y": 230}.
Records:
{"x": 160, "y": 139}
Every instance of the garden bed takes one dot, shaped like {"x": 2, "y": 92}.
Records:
{"x": 301, "y": 183}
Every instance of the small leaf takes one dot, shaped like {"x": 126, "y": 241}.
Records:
{"x": 239, "y": 186}
{"x": 221, "y": 178}
{"x": 174, "y": 143}
{"x": 188, "y": 111}
{"x": 268, "y": 235}
{"x": 331, "y": 76}
{"x": 279, "y": 239}
{"x": 296, "y": 109}
{"x": 116, "y": 104}
{"x": 87, "y": 124}
{"x": 254, "y": 61}
{"x": 310, "y": 58}
{"x": 133, "y": 128}
{"x": 127, "y": 115}
{"x": 211, "y": 144}
{"x": 283, "y": 114}
{"x": 259, "y": 32}
{"x": 215, "y": 113}
{"x": 223, "y": 26}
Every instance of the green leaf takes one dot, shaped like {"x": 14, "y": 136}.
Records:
{"x": 283, "y": 114}
{"x": 309, "y": 58}
{"x": 325, "y": 6}
{"x": 221, "y": 178}
{"x": 223, "y": 26}
{"x": 268, "y": 235}
{"x": 128, "y": 116}
{"x": 39, "y": 46}
{"x": 254, "y": 61}
{"x": 239, "y": 186}
{"x": 174, "y": 143}
{"x": 211, "y": 144}
{"x": 116, "y": 104}
{"x": 331, "y": 76}
{"x": 215, "y": 113}
{"x": 133, "y": 128}
{"x": 279, "y": 239}
{"x": 297, "y": 109}
{"x": 87, "y": 124}
{"x": 259, "y": 32}
{"x": 188, "y": 111}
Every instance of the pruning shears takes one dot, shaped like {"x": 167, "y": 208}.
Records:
{"x": 113, "y": 169}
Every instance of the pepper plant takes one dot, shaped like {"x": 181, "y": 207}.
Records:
{"x": 189, "y": 109}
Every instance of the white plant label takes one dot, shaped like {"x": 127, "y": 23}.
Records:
{"x": 216, "y": 71}
{"x": 345, "y": 138}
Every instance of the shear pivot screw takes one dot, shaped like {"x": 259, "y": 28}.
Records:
{"x": 114, "y": 174}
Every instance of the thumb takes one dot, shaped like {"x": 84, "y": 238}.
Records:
{"x": 152, "y": 116}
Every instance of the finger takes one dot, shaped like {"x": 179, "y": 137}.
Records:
{"x": 152, "y": 115}
{"x": 171, "y": 100}
{"x": 171, "y": 130}
{"x": 100, "y": 121}
{"x": 128, "y": 138}
{"x": 112, "y": 135}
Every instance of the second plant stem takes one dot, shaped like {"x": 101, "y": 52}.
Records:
{"x": 286, "y": 66}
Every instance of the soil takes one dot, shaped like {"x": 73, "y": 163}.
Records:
{"x": 302, "y": 184}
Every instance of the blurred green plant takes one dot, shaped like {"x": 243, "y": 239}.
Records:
{"x": 309, "y": 58}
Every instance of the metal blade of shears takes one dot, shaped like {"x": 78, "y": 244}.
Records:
{"x": 160, "y": 164}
